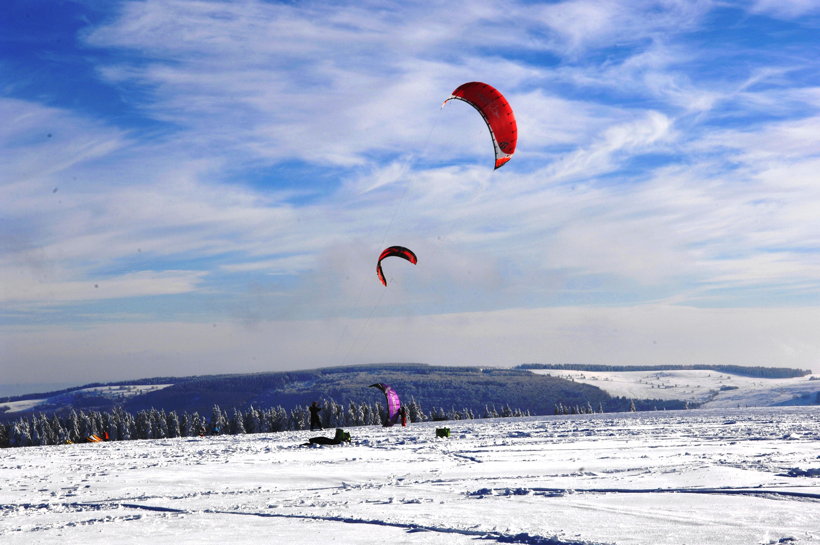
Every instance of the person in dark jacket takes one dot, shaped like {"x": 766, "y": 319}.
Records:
{"x": 315, "y": 423}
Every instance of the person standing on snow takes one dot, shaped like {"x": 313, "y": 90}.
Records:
{"x": 314, "y": 416}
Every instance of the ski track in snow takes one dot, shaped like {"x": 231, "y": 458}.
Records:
{"x": 690, "y": 477}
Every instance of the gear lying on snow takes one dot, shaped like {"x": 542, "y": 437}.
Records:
{"x": 341, "y": 437}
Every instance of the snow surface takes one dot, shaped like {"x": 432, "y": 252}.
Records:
{"x": 678, "y": 477}
{"x": 712, "y": 388}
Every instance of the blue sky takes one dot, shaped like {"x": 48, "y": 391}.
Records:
{"x": 194, "y": 187}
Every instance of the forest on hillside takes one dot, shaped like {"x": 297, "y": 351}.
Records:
{"x": 445, "y": 388}
{"x": 459, "y": 388}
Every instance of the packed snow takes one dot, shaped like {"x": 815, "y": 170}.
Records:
{"x": 724, "y": 476}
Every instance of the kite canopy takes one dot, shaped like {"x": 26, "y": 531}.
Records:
{"x": 393, "y": 403}
{"x": 496, "y": 112}
{"x": 397, "y": 251}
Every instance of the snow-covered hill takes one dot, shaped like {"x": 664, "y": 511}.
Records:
{"x": 711, "y": 388}
{"x": 114, "y": 393}
{"x": 728, "y": 476}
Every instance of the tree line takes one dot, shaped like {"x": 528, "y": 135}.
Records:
{"x": 120, "y": 425}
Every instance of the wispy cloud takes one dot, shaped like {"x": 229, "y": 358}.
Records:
{"x": 271, "y": 150}
{"x": 788, "y": 9}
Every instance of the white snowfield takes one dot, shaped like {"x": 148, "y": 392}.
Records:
{"x": 697, "y": 477}
{"x": 711, "y": 388}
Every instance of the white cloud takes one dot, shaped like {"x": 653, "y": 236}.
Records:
{"x": 617, "y": 141}
{"x": 575, "y": 27}
{"x": 635, "y": 178}
{"x": 785, "y": 9}
{"x": 273, "y": 80}
{"x": 24, "y": 290}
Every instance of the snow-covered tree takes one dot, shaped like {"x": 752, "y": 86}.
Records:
{"x": 414, "y": 412}
{"x": 172, "y": 424}
{"x": 237, "y": 425}
{"x": 219, "y": 422}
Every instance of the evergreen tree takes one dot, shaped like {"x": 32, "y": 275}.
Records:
{"x": 299, "y": 418}
{"x": 73, "y": 426}
{"x": 44, "y": 430}
{"x": 414, "y": 412}
{"x": 367, "y": 414}
{"x": 253, "y": 421}
{"x": 20, "y": 434}
{"x": 378, "y": 415}
{"x": 86, "y": 426}
{"x": 278, "y": 419}
{"x": 186, "y": 428}
{"x": 172, "y": 424}
{"x": 219, "y": 422}
{"x": 237, "y": 424}
{"x": 126, "y": 426}
{"x": 355, "y": 416}
{"x": 110, "y": 426}
{"x": 60, "y": 434}
{"x": 438, "y": 415}
{"x": 266, "y": 420}
{"x": 337, "y": 415}
{"x": 326, "y": 413}
{"x": 198, "y": 424}
{"x": 143, "y": 426}
{"x": 159, "y": 420}
{"x": 37, "y": 438}
{"x": 4, "y": 436}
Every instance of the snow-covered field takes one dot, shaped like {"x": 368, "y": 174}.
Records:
{"x": 695, "y": 477}
{"x": 711, "y": 388}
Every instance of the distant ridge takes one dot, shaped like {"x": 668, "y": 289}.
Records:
{"x": 473, "y": 388}
{"x": 740, "y": 370}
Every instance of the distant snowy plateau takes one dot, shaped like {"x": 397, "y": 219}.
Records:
{"x": 708, "y": 389}
{"x": 707, "y": 476}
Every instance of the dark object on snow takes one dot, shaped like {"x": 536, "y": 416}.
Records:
{"x": 442, "y": 432}
{"x": 341, "y": 437}
{"x": 797, "y": 472}
{"x": 315, "y": 423}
